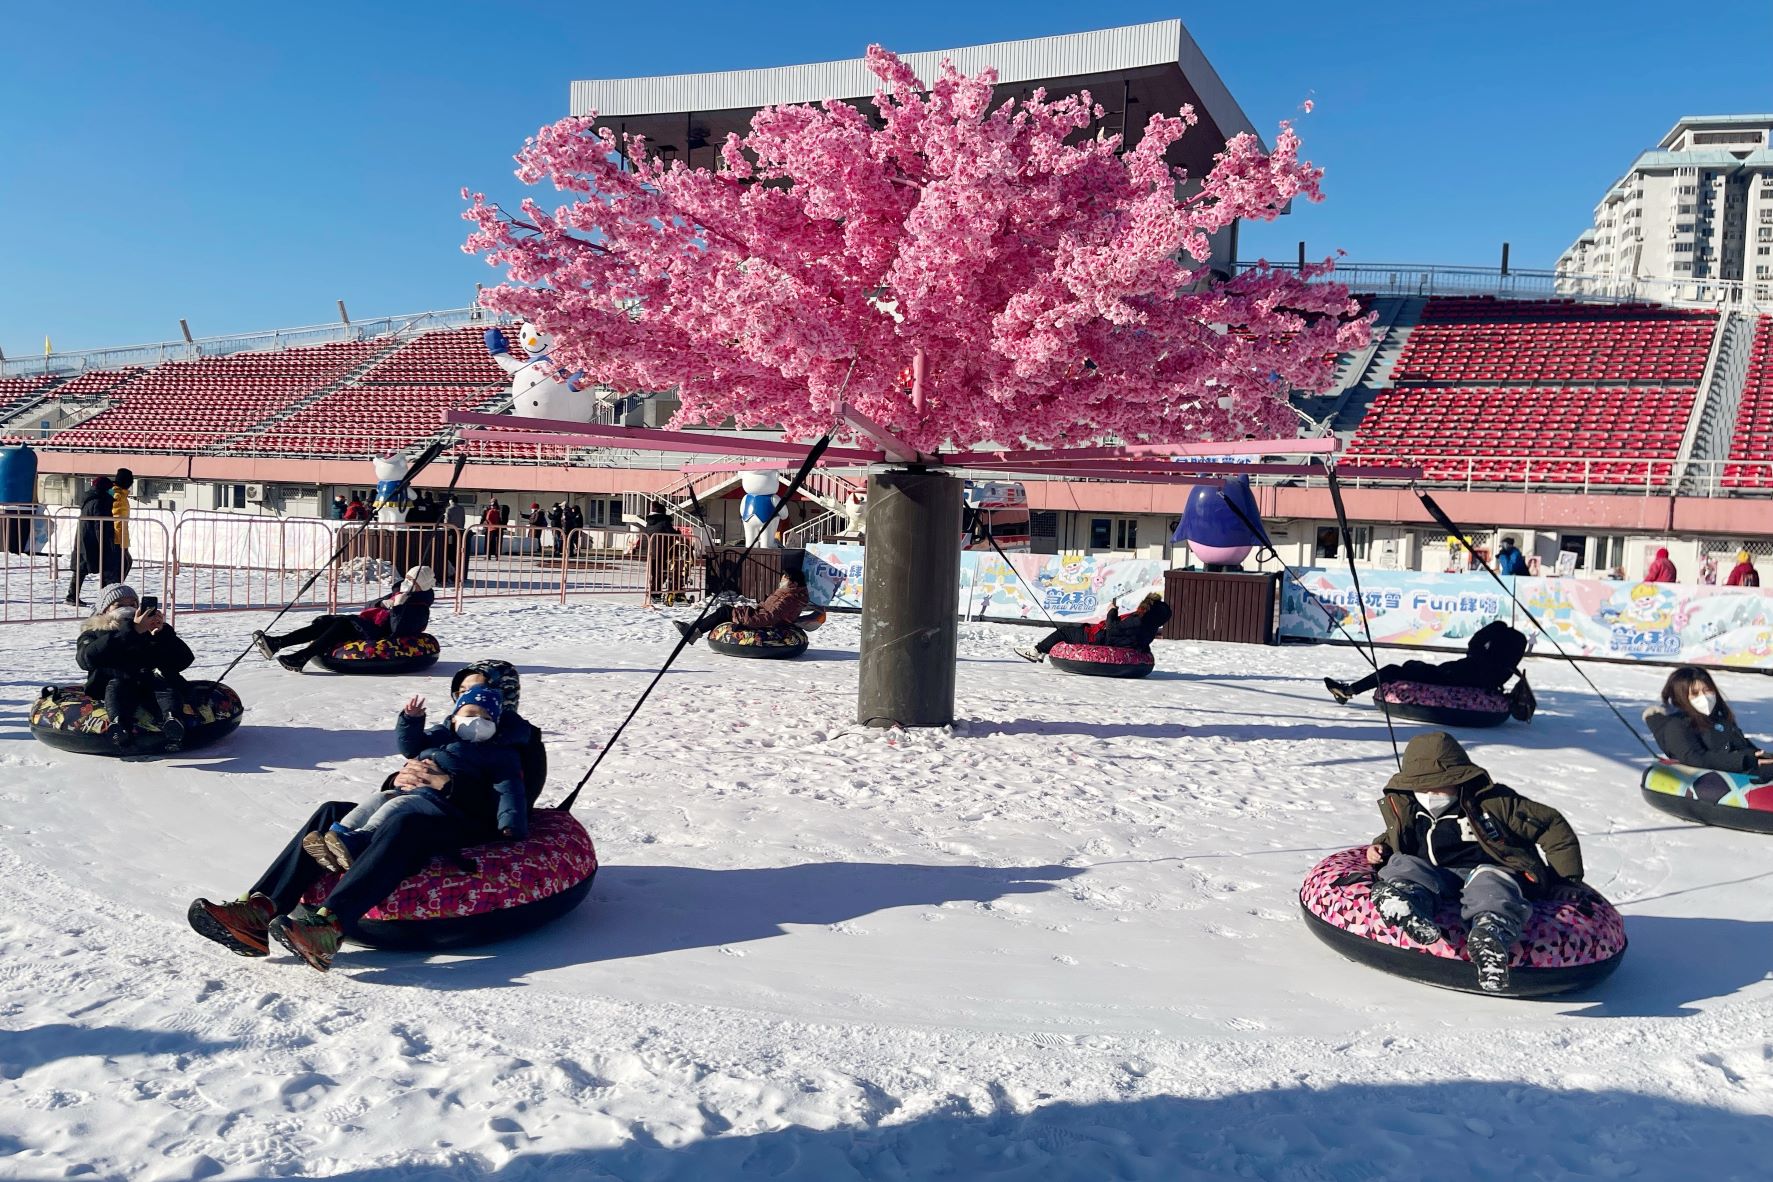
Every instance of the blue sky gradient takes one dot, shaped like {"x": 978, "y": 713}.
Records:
{"x": 245, "y": 165}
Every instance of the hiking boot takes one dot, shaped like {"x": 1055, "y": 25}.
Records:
{"x": 1487, "y": 950}
{"x": 1340, "y": 690}
{"x": 310, "y": 935}
{"x": 238, "y": 926}
{"x": 1408, "y": 907}
{"x": 294, "y": 662}
{"x": 73, "y": 601}
{"x": 172, "y": 731}
{"x": 263, "y": 643}
{"x": 314, "y": 845}
{"x": 687, "y": 631}
{"x": 1030, "y": 654}
{"x": 344, "y": 845}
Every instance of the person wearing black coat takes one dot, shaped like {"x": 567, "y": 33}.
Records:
{"x": 404, "y": 611}
{"x": 132, "y": 657}
{"x": 1492, "y": 656}
{"x": 97, "y": 550}
{"x": 1135, "y": 630}
{"x": 1695, "y": 726}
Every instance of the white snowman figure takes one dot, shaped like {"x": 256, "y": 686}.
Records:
{"x": 389, "y": 473}
{"x": 539, "y": 390}
{"x": 761, "y": 510}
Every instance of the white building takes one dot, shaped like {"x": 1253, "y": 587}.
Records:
{"x": 1691, "y": 219}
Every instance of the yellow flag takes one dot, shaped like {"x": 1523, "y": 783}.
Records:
{"x": 46, "y": 347}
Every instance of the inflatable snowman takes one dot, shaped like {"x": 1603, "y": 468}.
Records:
{"x": 389, "y": 495}
{"x": 761, "y": 510}
{"x": 539, "y": 390}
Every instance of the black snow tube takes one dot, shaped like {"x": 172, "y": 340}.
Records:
{"x": 65, "y": 718}
{"x": 1444, "y": 705}
{"x": 1565, "y": 946}
{"x": 781, "y": 643}
{"x": 391, "y": 654}
{"x": 1729, "y": 800}
{"x": 489, "y": 893}
{"x": 1101, "y": 660}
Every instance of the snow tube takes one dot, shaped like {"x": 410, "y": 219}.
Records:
{"x": 492, "y": 891}
{"x": 1732, "y": 800}
{"x": 1444, "y": 705}
{"x": 391, "y": 654}
{"x": 65, "y": 718}
{"x": 1565, "y": 945}
{"x": 1101, "y": 660}
{"x": 779, "y": 643}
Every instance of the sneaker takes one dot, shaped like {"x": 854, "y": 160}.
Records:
{"x": 172, "y": 731}
{"x": 1338, "y": 690}
{"x": 1488, "y": 953}
{"x": 294, "y": 662}
{"x": 687, "y": 631}
{"x": 314, "y": 845}
{"x": 310, "y": 935}
{"x": 238, "y": 926}
{"x": 1406, "y": 906}
{"x": 263, "y": 643}
{"x": 344, "y": 845}
{"x": 1029, "y": 654}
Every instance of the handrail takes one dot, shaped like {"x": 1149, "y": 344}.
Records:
{"x": 1398, "y": 279}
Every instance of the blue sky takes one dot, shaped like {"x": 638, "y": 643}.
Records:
{"x": 244, "y": 165}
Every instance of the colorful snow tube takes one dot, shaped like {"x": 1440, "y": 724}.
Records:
{"x": 488, "y": 893}
{"x": 1564, "y": 946}
{"x": 1101, "y": 660}
{"x": 65, "y": 718}
{"x": 1444, "y": 705}
{"x": 1730, "y": 800}
{"x": 769, "y": 644}
{"x": 391, "y": 654}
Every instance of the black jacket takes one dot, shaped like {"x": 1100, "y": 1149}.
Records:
{"x": 109, "y": 648}
{"x": 97, "y": 540}
{"x": 1135, "y": 630}
{"x": 1721, "y": 747}
{"x": 408, "y": 618}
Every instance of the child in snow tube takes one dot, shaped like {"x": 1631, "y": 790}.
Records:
{"x": 133, "y": 659}
{"x": 1462, "y": 692}
{"x": 1117, "y": 646}
{"x": 770, "y": 630}
{"x": 1714, "y": 774}
{"x": 1453, "y": 835}
{"x": 423, "y": 879}
{"x": 388, "y": 636}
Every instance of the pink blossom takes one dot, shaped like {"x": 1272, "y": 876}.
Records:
{"x": 1057, "y": 287}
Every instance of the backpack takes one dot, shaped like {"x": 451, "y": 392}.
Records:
{"x": 1521, "y": 702}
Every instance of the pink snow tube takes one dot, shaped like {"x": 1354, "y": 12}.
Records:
{"x": 1444, "y": 705}
{"x": 1101, "y": 660}
{"x": 513, "y": 886}
{"x": 1564, "y": 946}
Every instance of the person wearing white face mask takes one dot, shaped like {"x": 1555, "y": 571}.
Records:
{"x": 486, "y": 778}
{"x": 1697, "y": 727}
{"x": 131, "y": 658}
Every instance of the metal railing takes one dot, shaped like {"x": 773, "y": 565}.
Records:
{"x": 52, "y": 565}
{"x": 1408, "y": 279}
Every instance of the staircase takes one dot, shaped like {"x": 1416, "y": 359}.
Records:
{"x": 1706, "y": 444}
{"x": 1374, "y": 375}
{"x": 289, "y": 409}
{"x": 828, "y": 490}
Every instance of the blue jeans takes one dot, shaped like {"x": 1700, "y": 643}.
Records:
{"x": 383, "y": 807}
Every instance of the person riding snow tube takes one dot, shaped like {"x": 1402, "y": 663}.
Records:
{"x": 1445, "y": 705}
{"x": 771, "y": 630}
{"x": 1116, "y": 646}
{"x": 69, "y": 719}
{"x": 778, "y": 642}
{"x": 387, "y": 636}
{"x": 1563, "y": 946}
{"x": 1467, "y": 691}
{"x": 1713, "y": 773}
{"x": 390, "y": 654}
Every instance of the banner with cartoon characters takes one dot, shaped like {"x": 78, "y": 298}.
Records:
{"x": 1071, "y": 587}
{"x": 1660, "y": 623}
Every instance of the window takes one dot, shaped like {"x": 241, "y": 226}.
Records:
{"x": 1764, "y": 250}
{"x": 234, "y": 497}
{"x": 1683, "y": 248}
{"x": 1329, "y": 541}
{"x": 1126, "y": 534}
{"x": 1099, "y": 533}
{"x": 1683, "y": 227}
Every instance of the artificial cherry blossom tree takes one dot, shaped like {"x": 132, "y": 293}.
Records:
{"x": 1049, "y": 287}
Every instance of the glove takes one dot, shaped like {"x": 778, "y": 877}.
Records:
{"x": 496, "y": 343}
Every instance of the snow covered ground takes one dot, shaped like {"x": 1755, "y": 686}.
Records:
{"x": 1060, "y": 940}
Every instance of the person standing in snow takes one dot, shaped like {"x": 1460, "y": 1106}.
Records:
{"x": 1661, "y": 569}
{"x": 1451, "y": 832}
{"x": 101, "y": 541}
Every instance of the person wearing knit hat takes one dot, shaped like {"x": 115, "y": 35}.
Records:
{"x": 1453, "y": 833}
{"x": 1743, "y": 574}
{"x": 404, "y": 611}
{"x": 133, "y": 658}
